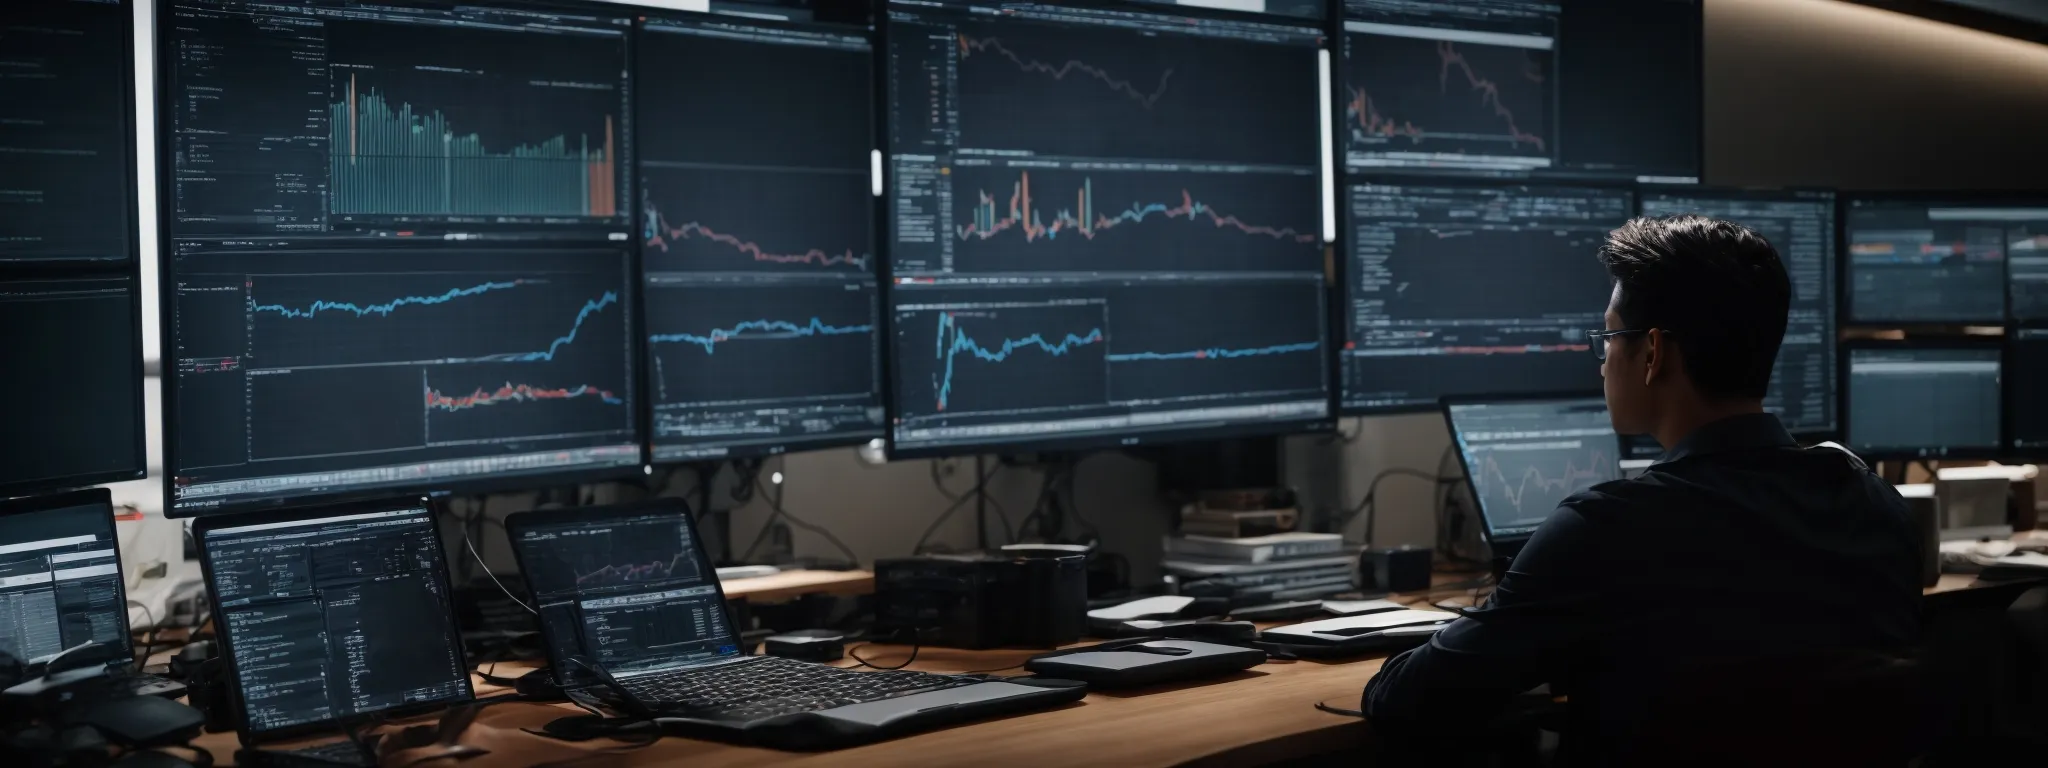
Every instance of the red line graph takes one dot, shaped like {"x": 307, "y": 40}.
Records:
{"x": 1373, "y": 123}
{"x": 970, "y": 46}
{"x": 1489, "y": 91}
{"x": 513, "y": 393}
{"x": 660, "y": 234}
{"x": 1574, "y": 477}
{"x": 990, "y": 221}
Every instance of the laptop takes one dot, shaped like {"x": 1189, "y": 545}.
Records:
{"x": 635, "y": 625}
{"x": 1523, "y": 455}
{"x": 330, "y": 618}
{"x": 61, "y": 593}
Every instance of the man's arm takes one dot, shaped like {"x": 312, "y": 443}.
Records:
{"x": 1543, "y": 608}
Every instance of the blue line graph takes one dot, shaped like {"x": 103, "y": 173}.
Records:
{"x": 1215, "y": 353}
{"x": 758, "y": 329}
{"x": 961, "y": 342}
{"x": 591, "y": 307}
{"x": 384, "y": 309}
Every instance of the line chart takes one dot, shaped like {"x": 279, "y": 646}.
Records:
{"x": 1448, "y": 97}
{"x": 1049, "y": 219}
{"x": 954, "y": 341}
{"x": 659, "y": 234}
{"x": 969, "y": 46}
{"x": 759, "y": 329}
{"x": 1089, "y": 91}
{"x": 632, "y": 572}
{"x": 1553, "y": 486}
{"x": 1215, "y": 353}
{"x": 989, "y": 221}
{"x": 591, "y": 307}
{"x": 386, "y": 308}
{"x": 516, "y": 393}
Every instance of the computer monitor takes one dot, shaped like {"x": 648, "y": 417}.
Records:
{"x": 69, "y": 135}
{"x": 1523, "y": 456}
{"x": 71, "y": 388}
{"x": 758, "y": 234}
{"x": 2026, "y": 363}
{"x": 1104, "y": 225}
{"x": 1941, "y": 259}
{"x": 60, "y": 578}
{"x": 625, "y": 587}
{"x": 1801, "y": 225}
{"x": 1462, "y": 290}
{"x": 331, "y": 615}
{"x": 1562, "y": 89}
{"x": 1924, "y": 400}
{"x": 433, "y": 287}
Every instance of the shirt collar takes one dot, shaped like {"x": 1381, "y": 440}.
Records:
{"x": 1749, "y": 430}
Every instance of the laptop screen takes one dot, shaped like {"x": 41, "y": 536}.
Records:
{"x": 60, "y": 578}
{"x": 331, "y": 616}
{"x": 628, "y": 588}
{"x": 1525, "y": 456}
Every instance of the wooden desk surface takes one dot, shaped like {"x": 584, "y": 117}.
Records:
{"x": 789, "y": 584}
{"x": 1261, "y": 715}
{"x": 1264, "y": 714}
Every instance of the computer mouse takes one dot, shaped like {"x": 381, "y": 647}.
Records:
{"x": 1161, "y": 650}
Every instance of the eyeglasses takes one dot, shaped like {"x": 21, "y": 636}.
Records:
{"x": 1599, "y": 339}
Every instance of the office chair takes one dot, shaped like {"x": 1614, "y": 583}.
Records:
{"x": 1837, "y": 708}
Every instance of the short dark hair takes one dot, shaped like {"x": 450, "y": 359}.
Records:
{"x": 1716, "y": 286}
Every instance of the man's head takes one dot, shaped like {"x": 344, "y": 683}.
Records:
{"x": 1704, "y": 302}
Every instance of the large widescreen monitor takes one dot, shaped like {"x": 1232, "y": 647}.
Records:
{"x": 1105, "y": 224}
{"x": 1943, "y": 259}
{"x": 1801, "y": 226}
{"x": 1562, "y": 89}
{"x": 1473, "y": 290}
{"x": 398, "y": 249}
{"x": 756, "y": 127}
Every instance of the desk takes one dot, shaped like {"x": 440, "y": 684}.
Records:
{"x": 1262, "y": 715}
{"x": 790, "y": 584}
{"x": 1265, "y": 714}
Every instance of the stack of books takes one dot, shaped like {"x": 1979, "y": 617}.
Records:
{"x": 1260, "y": 569}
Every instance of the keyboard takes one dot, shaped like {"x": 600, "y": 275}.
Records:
{"x": 769, "y": 686}
{"x": 344, "y": 752}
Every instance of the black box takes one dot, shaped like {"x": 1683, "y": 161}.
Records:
{"x": 1406, "y": 569}
{"x": 1030, "y": 599}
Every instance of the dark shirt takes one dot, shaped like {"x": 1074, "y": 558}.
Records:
{"x": 1735, "y": 543}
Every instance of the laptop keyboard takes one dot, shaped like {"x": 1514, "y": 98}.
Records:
{"x": 772, "y": 686}
{"x": 343, "y": 752}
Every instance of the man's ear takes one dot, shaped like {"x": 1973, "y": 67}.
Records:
{"x": 1657, "y": 357}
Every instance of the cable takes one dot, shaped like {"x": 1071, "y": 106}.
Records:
{"x": 774, "y": 499}
{"x": 980, "y": 488}
{"x": 149, "y": 644}
{"x": 1339, "y": 710}
{"x": 1368, "y": 506}
{"x": 916, "y": 644}
{"x": 471, "y": 546}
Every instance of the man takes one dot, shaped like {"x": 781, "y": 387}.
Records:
{"x": 1735, "y": 543}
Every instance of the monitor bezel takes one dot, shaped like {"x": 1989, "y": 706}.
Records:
{"x": 166, "y": 204}
{"x": 885, "y": 271}
{"x": 1849, "y": 347}
{"x": 129, "y": 270}
{"x": 1495, "y": 542}
{"x": 877, "y": 217}
{"x": 248, "y": 736}
{"x": 1342, "y": 269}
{"x": 1845, "y": 306}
